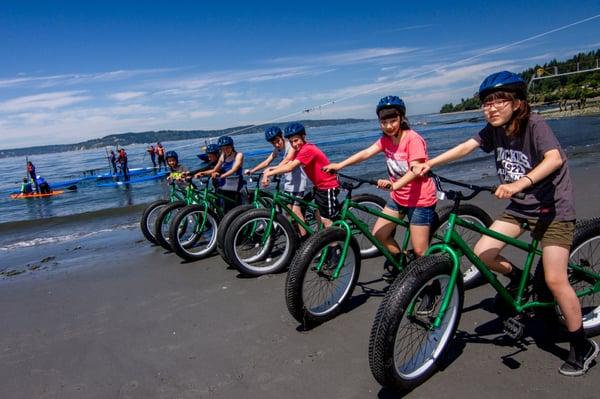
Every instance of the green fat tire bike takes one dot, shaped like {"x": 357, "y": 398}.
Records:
{"x": 408, "y": 343}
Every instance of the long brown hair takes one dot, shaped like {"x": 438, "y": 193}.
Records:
{"x": 520, "y": 117}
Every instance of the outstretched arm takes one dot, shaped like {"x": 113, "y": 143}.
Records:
{"x": 458, "y": 152}
{"x": 353, "y": 159}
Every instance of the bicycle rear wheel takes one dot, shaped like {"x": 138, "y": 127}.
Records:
{"x": 148, "y": 219}
{"x": 585, "y": 252}
{"x": 367, "y": 249}
{"x": 474, "y": 214}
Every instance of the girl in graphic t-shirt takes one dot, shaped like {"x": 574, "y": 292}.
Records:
{"x": 411, "y": 195}
{"x": 530, "y": 160}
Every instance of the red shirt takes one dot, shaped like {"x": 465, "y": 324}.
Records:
{"x": 313, "y": 159}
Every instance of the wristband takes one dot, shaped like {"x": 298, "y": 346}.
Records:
{"x": 528, "y": 178}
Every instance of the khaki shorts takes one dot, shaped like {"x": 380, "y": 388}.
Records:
{"x": 548, "y": 232}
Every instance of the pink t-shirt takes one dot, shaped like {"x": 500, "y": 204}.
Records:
{"x": 313, "y": 159}
{"x": 420, "y": 192}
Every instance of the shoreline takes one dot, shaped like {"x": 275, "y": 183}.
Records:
{"x": 112, "y": 316}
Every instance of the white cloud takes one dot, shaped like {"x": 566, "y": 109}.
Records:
{"x": 126, "y": 95}
{"x": 52, "y": 100}
{"x": 346, "y": 57}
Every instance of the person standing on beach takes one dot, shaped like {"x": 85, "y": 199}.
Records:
{"x": 295, "y": 181}
{"x": 411, "y": 195}
{"x": 228, "y": 170}
{"x": 309, "y": 157}
{"x": 150, "y": 150}
{"x": 529, "y": 159}
{"x": 160, "y": 151}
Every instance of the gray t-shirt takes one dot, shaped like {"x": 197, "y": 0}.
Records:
{"x": 295, "y": 181}
{"x": 551, "y": 198}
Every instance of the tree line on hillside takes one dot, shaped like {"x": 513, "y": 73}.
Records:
{"x": 569, "y": 87}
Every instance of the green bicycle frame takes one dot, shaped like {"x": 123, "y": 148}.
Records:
{"x": 453, "y": 245}
{"x": 281, "y": 200}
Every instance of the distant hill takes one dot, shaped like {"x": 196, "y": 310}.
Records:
{"x": 123, "y": 139}
{"x": 567, "y": 87}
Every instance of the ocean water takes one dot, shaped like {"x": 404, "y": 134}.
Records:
{"x": 90, "y": 209}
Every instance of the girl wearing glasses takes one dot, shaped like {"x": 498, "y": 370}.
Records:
{"x": 529, "y": 159}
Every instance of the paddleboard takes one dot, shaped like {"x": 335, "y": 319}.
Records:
{"x": 133, "y": 181}
{"x": 36, "y": 195}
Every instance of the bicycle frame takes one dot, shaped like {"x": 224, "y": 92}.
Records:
{"x": 281, "y": 200}
{"x": 453, "y": 245}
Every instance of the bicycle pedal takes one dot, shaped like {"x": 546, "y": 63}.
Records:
{"x": 513, "y": 328}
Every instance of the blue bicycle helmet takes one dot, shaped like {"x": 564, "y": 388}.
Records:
{"x": 225, "y": 140}
{"x": 272, "y": 132}
{"x": 212, "y": 149}
{"x": 172, "y": 154}
{"x": 293, "y": 129}
{"x": 394, "y": 102}
{"x": 503, "y": 81}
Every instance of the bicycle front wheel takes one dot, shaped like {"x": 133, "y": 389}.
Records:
{"x": 148, "y": 219}
{"x": 404, "y": 347}
{"x": 312, "y": 294}
{"x": 163, "y": 222}
{"x": 193, "y": 232}
{"x": 255, "y": 250}
{"x": 224, "y": 225}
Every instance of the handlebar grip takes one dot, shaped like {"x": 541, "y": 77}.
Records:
{"x": 519, "y": 196}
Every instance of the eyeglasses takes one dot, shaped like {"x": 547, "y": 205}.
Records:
{"x": 497, "y": 104}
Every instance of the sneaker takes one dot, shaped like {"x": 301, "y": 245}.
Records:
{"x": 332, "y": 259}
{"x": 430, "y": 296}
{"x": 574, "y": 367}
{"x": 390, "y": 272}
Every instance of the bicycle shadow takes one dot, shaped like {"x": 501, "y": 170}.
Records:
{"x": 356, "y": 300}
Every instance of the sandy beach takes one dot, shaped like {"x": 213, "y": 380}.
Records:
{"x": 110, "y": 316}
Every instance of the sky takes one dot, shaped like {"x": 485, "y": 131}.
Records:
{"x": 72, "y": 71}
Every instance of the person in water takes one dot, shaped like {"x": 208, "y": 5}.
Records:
{"x": 122, "y": 160}
{"x": 43, "y": 186}
{"x": 112, "y": 158}
{"x": 27, "y": 186}
{"x": 228, "y": 171}
{"x": 32, "y": 174}
{"x": 160, "y": 152}
{"x": 150, "y": 150}
{"x": 295, "y": 181}
{"x": 529, "y": 160}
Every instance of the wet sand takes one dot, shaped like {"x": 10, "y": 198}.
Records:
{"x": 112, "y": 317}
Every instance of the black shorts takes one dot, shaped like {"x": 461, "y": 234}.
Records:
{"x": 327, "y": 202}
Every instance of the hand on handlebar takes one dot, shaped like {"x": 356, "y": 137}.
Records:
{"x": 384, "y": 184}
{"x": 420, "y": 169}
{"x": 505, "y": 191}
{"x": 331, "y": 168}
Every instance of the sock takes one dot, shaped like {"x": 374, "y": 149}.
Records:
{"x": 579, "y": 345}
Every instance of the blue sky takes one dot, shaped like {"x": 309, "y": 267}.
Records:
{"x": 71, "y": 71}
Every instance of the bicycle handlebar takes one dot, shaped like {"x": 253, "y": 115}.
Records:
{"x": 476, "y": 189}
